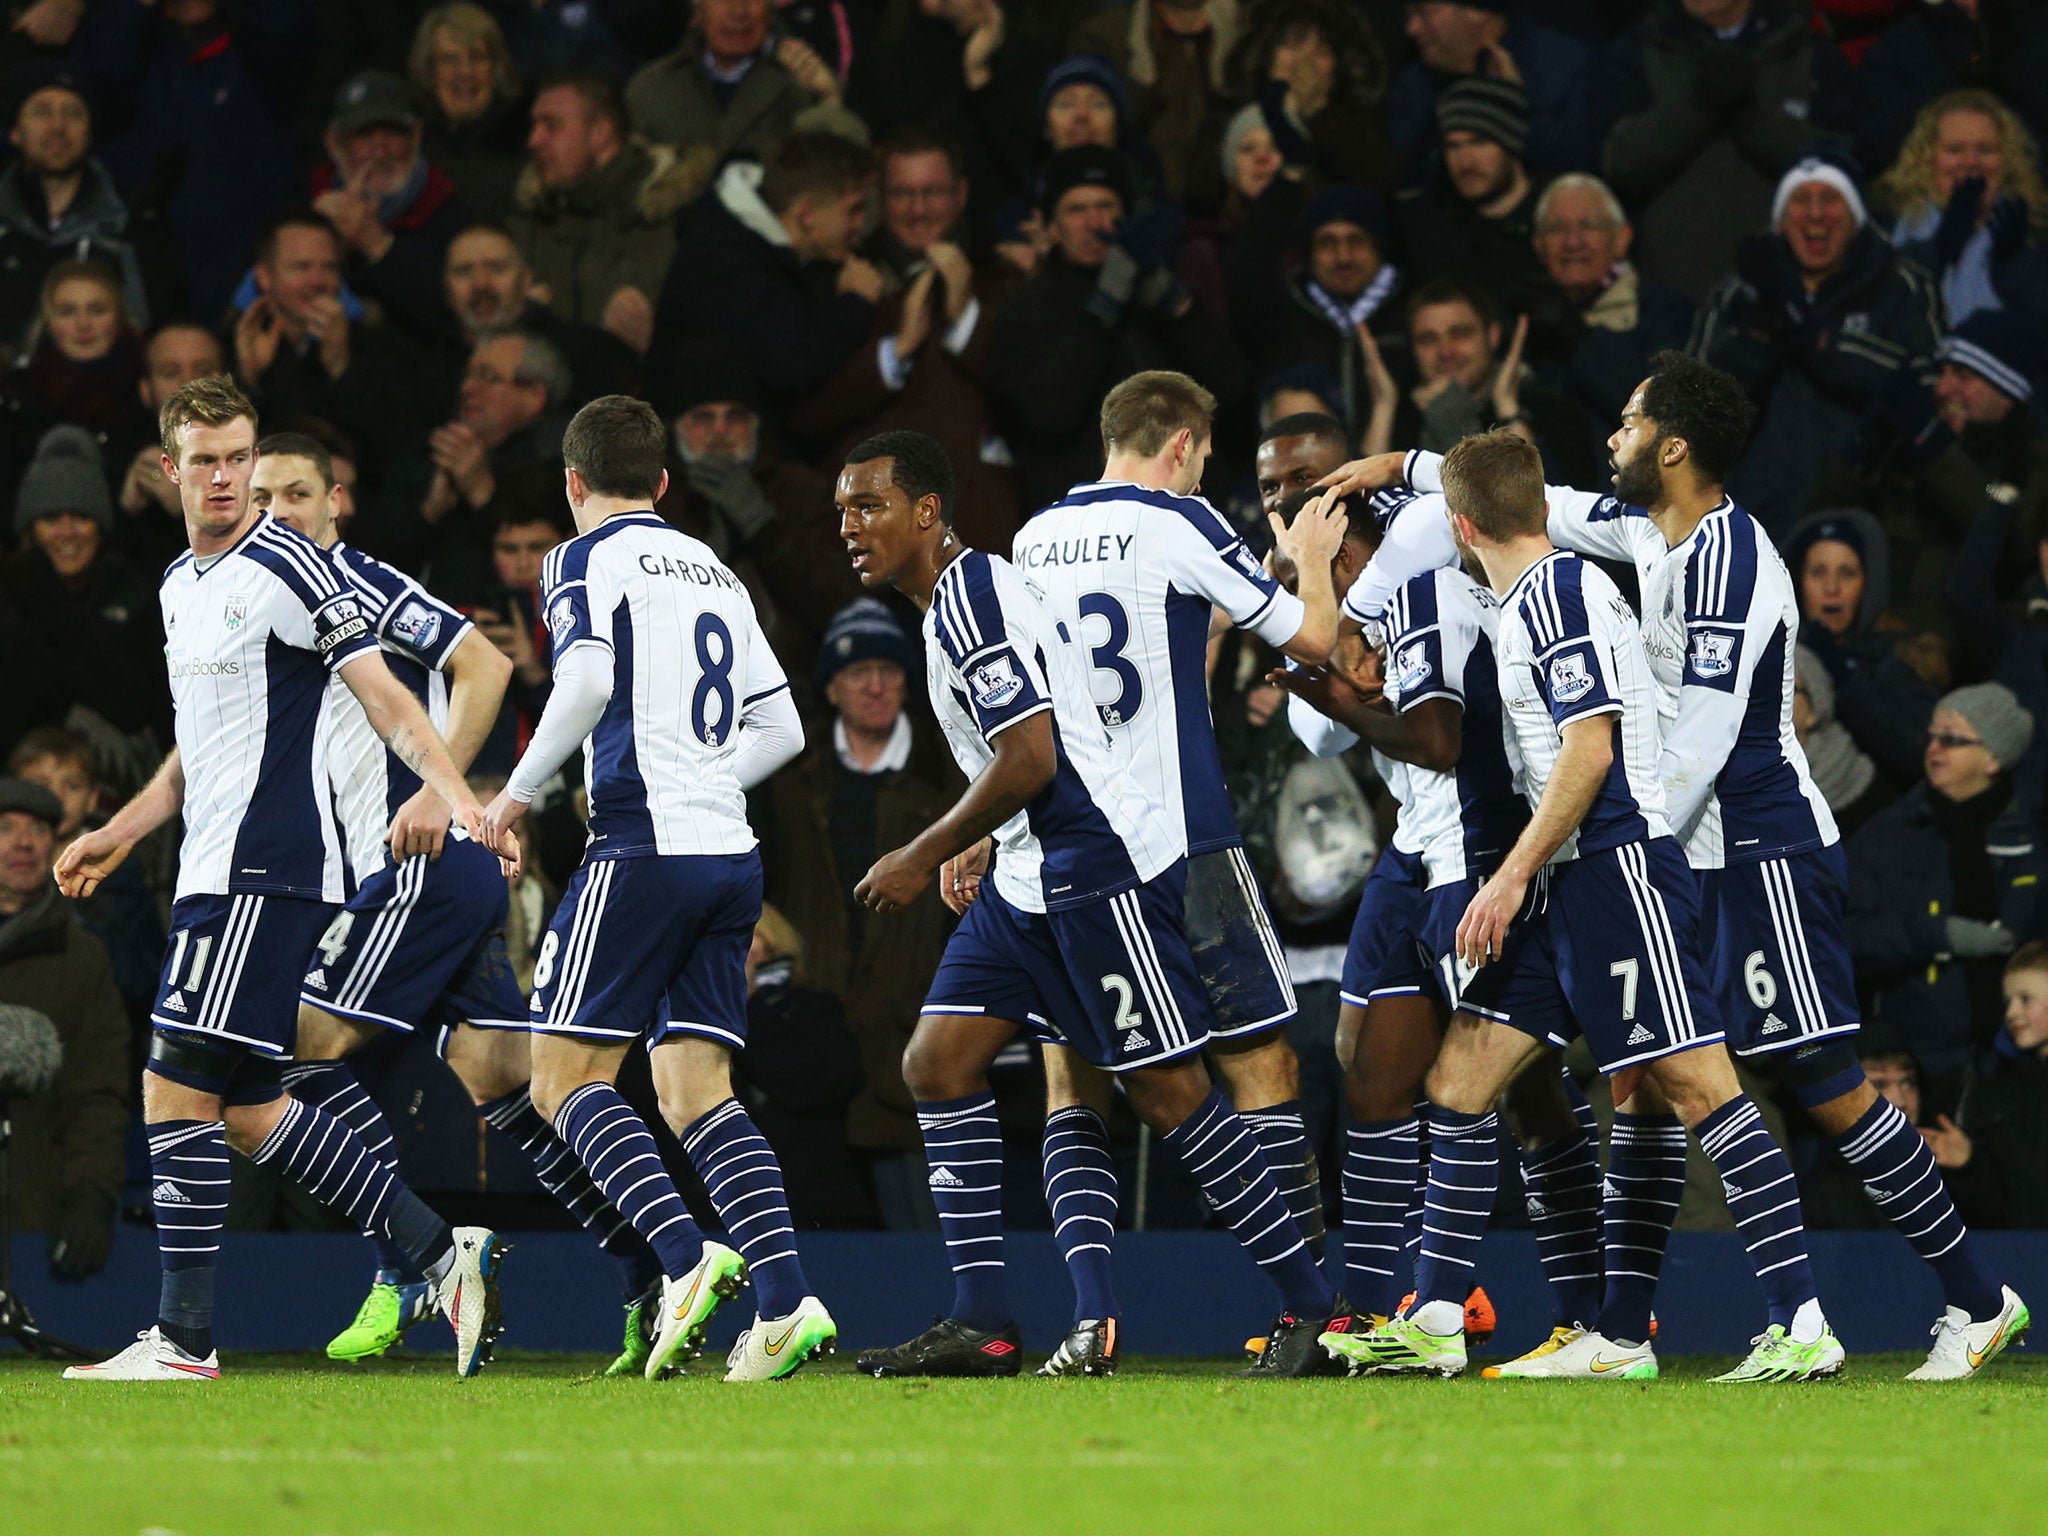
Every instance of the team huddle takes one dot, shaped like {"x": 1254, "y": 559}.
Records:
{"x": 1606, "y": 832}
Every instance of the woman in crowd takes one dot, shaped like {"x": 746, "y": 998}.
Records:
{"x": 84, "y": 362}
{"x": 475, "y": 120}
{"x": 1317, "y": 73}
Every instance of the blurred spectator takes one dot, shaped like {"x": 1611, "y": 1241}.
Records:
{"x": 1103, "y": 305}
{"x": 1948, "y": 45}
{"x": 1945, "y": 883}
{"x": 84, "y": 361}
{"x": 797, "y": 1074}
{"x": 1843, "y": 772}
{"x": 67, "y": 580}
{"x": 67, "y": 1159}
{"x": 1994, "y": 1152}
{"x": 768, "y": 515}
{"x": 735, "y": 87}
{"x": 1175, "y": 57}
{"x": 488, "y": 287}
{"x": 150, "y": 520}
{"x": 395, "y": 213}
{"x": 207, "y": 89}
{"x": 1594, "y": 320}
{"x": 924, "y": 193}
{"x": 1819, "y": 321}
{"x": 965, "y": 63}
{"x": 768, "y": 263}
{"x": 501, "y": 595}
{"x": 596, "y": 210}
{"x": 1316, "y": 74}
{"x": 867, "y": 780}
{"x": 1477, "y": 218}
{"x": 1969, "y": 200}
{"x": 1465, "y": 384}
{"x": 462, "y": 69}
{"x": 58, "y": 203}
{"x": 122, "y": 912}
{"x": 1703, "y": 105}
{"x": 303, "y": 346}
{"x": 1490, "y": 38}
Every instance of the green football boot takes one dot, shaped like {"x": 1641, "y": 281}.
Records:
{"x": 639, "y": 1340}
{"x": 1398, "y": 1346}
{"x": 381, "y": 1321}
{"x": 1775, "y": 1356}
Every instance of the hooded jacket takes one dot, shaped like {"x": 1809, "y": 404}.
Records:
{"x": 93, "y": 228}
{"x": 613, "y": 229}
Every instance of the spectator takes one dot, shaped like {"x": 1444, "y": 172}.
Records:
{"x": 207, "y": 91}
{"x": 1944, "y": 883}
{"x": 768, "y": 263}
{"x": 122, "y": 912}
{"x": 924, "y": 199}
{"x": 1477, "y": 220}
{"x": 596, "y": 209}
{"x": 84, "y": 362}
{"x": 765, "y": 513}
{"x": 1594, "y": 320}
{"x": 1831, "y": 1195}
{"x": 1455, "y": 39}
{"x": 149, "y": 517}
{"x": 1315, "y": 73}
{"x": 67, "y": 1159}
{"x": 1969, "y": 199}
{"x": 1994, "y": 1152}
{"x": 966, "y": 63}
{"x": 67, "y": 580}
{"x": 1175, "y": 56}
{"x": 1819, "y": 321}
{"x": 1842, "y": 771}
{"x": 461, "y": 67}
{"x": 1104, "y": 304}
{"x": 303, "y": 346}
{"x": 799, "y": 1071}
{"x": 58, "y": 203}
{"x": 1704, "y": 104}
{"x": 1464, "y": 384}
{"x": 394, "y": 211}
{"x": 1337, "y": 311}
{"x": 735, "y": 88}
{"x": 488, "y": 287}
{"x": 1947, "y": 45}
{"x": 865, "y": 783}
{"x": 502, "y": 598}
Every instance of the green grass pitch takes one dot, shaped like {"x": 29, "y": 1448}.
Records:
{"x": 290, "y": 1444}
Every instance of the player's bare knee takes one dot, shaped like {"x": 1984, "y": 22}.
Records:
{"x": 248, "y": 1126}
{"x": 325, "y": 1037}
{"x": 1263, "y": 1073}
{"x": 1694, "y": 1083}
{"x": 489, "y": 1063}
{"x": 165, "y": 1098}
{"x": 936, "y": 1067}
{"x": 1164, "y": 1097}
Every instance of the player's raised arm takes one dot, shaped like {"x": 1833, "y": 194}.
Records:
{"x": 94, "y": 855}
{"x": 1311, "y": 541}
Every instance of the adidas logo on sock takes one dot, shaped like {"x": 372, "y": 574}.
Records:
{"x": 1136, "y": 1041}
{"x": 945, "y": 1178}
{"x": 1640, "y": 1036}
{"x": 1730, "y": 1189}
{"x": 1537, "y": 1209}
{"x": 168, "y": 1193}
{"x": 317, "y": 980}
{"x": 1773, "y": 1025}
{"x": 175, "y": 1003}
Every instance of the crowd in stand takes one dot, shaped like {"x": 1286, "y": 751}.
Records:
{"x": 427, "y": 234}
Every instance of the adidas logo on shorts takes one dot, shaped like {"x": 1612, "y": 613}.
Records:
{"x": 175, "y": 1003}
{"x": 168, "y": 1193}
{"x": 1773, "y": 1025}
{"x": 317, "y": 980}
{"x": 945, "y": 1178}
{"x": 1136, "y": 1041}
{"x": 1640, "y": 1036}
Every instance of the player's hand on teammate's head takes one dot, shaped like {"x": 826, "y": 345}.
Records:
{"x": 1373, "y": 473}
{"x": 1311, "y": 540}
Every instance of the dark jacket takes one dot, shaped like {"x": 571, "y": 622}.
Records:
{"x": 93, "y": 228}
{"x": 735, "y": 276}
{"x": 1696, "y": 131}
{"x": 108, "y": 632}
{"x": 675, "y": 102}
{"x": 1934, "y": 49}
{"x": 1053, "y": 357}
{"x": 1813, "y": 363}
{"x": 378, "y": 400}
{"x": 68, "y": 1141}
{"x": 800, "y": 1069}
{"x": 614, "y": 229}
{"x": 483, "y": 157}
{"x": 1590, "y": 353}
{"x": 1902, "y": 886}
{"x": 881, "y": 973}
{"x": 1555, "y": 70}
{"x": 1445, "y": 236}
{"x": 2004, "y": 1112}
{"x": 406, "y": 279}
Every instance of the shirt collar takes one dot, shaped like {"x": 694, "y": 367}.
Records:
{"x": 894, "y": 756}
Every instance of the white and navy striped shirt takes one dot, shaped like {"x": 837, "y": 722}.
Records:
{"x": 688, "y": 659}
{"x": 250, "y": 641}
{"x": 995, "y": 656}
{"x": 419, "y": 633}
{"x": 1569, "y": 650}
{"x": 1133, "y": 573}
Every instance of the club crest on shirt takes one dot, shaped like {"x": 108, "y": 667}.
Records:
{"x": 1411, "y": 668}
{"x": 995, "y": 682}
{"x": 1713, "y": 655}
{"x": 237, "y": 611}
{"x": 415, "y": 624}
{"x": 1569, "y": 679}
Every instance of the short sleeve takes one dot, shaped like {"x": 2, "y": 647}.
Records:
{"x": 575, "y": 614}
{"x": 406, "y": 617}
{"x": 1422, "y": 659}
{"x": 341, "y": 631}
{"x": 1720, "y": 614}
{"x": 989, "y": 647}
{"x": 1574, "y": 654}
{"x": 323, "y": 613}
{"x": 1204, "y": 555}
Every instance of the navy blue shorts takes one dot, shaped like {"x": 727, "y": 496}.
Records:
{"x": 650, "y": 946}
{"x": 1382, "y": 959}
{"x": 1237, "y": 953}
{"x": 1778, "y": 949}
{"x": 1624, "y": 927}
{"x": 231, "y": 972}
{"x": 1520, "y": 986}
{"x": 422, "y": 943}
{"x": 1113, "y": 979}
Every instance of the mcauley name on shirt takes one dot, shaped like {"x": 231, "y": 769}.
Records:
{"x": 690, "y": 571}
{"x": 1100, "y": 549}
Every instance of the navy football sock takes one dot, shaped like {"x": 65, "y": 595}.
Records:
{"x": 1563, "y": 1179}
{"x": 188, "y": 1167}
{"x": 1080, "y": 1191}
{"x": 332, "y": 1086}
{"x": 1464, "y": 1178}
{"x": 329, "y": 1162}
{"x": 614, "y": 1145}
{"x": 1293, "y": 1163}
{"x": 1382, "y": 1164}
{"x": 963, "y": 1142}
{"x": 1645, "y": 1183}
{"x": 1899, "y": 1173}
{"x": 1764, "y": 1199}
{"x": 745, "y": 1184}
